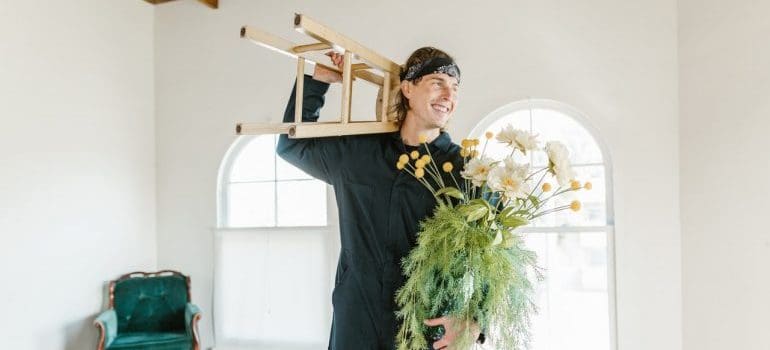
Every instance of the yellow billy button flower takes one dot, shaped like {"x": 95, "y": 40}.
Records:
{"x": 414, "y": 155}
{"x": 546, "y": 187}
{"x": 403, "y": 158}
{"x": 447, "y": 167}
{"x": 419, "y": 164}
{"x": 400, "y": 165}
{"x": 474, "y": 153}
{"x": 465, "y": 153}
{"x": 425, "y": 159}
{"x": 475, "y": 142}
{"x": 575, "y": 184}
{"x": 588, "y": 185}
{"x": 422, "y": 138}
{"x": 419, "y": 173}
{"x": 575, "y": 205}
{"x": 466, "y": 143}
{"x": 489, "y": 135}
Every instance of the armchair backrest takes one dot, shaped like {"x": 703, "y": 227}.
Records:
{"x": 150, "y": 302}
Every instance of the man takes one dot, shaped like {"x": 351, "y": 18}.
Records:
{"x": 380, "y": 207}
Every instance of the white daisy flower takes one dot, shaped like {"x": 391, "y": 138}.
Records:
{"x": 558, "y": 162}
{"x": 518, "y": 139}
{"x": 477, "y": 170}
{"x": 510, "y": 179}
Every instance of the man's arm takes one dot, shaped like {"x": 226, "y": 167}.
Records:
{"x": 316, "y": 156}
{"x": 319, "y": 157}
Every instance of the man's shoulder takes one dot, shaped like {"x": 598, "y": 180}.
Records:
{"x": 448, "y": 144}
{"x": 364, "y": 142}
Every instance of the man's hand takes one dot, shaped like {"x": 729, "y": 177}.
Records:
{"x": 453, "y": 329}
{"x": 327, "y": 75}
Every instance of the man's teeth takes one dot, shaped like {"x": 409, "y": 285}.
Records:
{"x": 441, "y": 108}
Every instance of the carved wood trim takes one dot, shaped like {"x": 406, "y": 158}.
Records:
{"x": 102, "y": 332}
{"x": 148, "y": 274}
{"x": 196, "y": 337}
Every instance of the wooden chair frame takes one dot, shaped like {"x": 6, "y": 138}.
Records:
{"x": 194, "y": 321}
{"x": 328, "y": 39}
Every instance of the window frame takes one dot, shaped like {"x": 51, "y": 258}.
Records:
{"x": 223, "y": 183}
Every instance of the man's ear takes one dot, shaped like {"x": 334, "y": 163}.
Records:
{"x": 406, "y": 88}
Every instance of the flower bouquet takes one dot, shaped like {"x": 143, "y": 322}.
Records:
{"x": 469, "y": 263}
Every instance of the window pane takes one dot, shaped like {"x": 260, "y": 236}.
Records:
{"x": 251, "y": 204}
{"x": 363, "y": 106}
{"x": 258, "y": 292}
{"x": 594, "y": 208}
{"x": 301, "y": 203}
{"x": 573, "y": 300}
{"x": 255, "y": 161}
{"x": 553, "y": 125}
{"x": 497, "y": 150}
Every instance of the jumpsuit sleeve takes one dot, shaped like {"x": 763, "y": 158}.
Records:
{"x": 320, "y": 157}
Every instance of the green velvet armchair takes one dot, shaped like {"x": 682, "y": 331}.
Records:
{"x": 149, "y": 311}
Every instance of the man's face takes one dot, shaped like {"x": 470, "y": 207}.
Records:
{"x": 432, "y": 100}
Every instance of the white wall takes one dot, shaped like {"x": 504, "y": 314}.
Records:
{"x": 77, "y": 144}
{"x": 724, "y": 65}
{"x": 616, "y": 61}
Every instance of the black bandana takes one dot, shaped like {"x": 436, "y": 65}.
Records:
{"x": 433, "y": 65}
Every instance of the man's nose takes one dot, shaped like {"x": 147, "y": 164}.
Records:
{"x": 448, "y": 94}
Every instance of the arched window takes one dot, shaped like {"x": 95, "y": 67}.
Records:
{"x": 274, "y": 251}
{"x": 577, "y": 300}
{"x": 260, "y": 189}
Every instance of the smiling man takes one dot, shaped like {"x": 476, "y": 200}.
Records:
{"x": 379, "y": 207}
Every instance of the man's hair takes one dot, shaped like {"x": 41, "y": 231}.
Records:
{"x": 401, "y": 103}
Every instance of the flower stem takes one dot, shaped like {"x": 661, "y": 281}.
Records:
{"x": 421, "y": 180}
{"x": 439, "y": 180}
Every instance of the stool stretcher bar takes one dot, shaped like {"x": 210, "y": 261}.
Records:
{"x": 317, "y": 129}
{"x": 280, "y": 45}
{"x": 329, "y": 39}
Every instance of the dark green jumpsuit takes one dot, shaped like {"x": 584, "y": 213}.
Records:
{"x": 380, "y": 208}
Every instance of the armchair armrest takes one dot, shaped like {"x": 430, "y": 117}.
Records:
{"x": 192, "y": 314}
{"x": 107, "y": 323}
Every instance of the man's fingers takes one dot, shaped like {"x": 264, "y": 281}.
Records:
{"x": 436, "y": 321}
{"x": 442, "y": 343}
{"x": 337, "y": 59}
